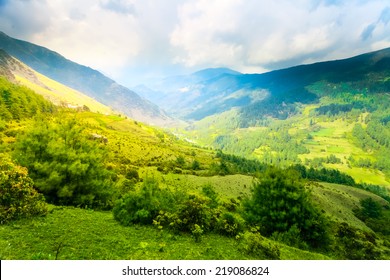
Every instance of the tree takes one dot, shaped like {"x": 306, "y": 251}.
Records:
{"x": 280, "y": 202}
{"x": 18, "y": 198}
{"x": 67, "y": 167}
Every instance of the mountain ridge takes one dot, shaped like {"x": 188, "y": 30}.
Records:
{"x": 85, "y": 79}
{"x": 219, "y": 93}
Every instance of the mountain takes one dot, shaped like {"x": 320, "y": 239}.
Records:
{"x": 270, "y": 94}
{"x": 85, "y": 80}
{"x": 185, "y": 94}
{"x": 57, "y": 93}
{"x": 332, "y": 114}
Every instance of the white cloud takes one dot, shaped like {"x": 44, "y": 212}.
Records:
{"x": 147, "y": 37}
{"x": 206, "y": 33}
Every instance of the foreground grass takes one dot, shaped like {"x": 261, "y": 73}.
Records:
{"x": 72, "y": 233}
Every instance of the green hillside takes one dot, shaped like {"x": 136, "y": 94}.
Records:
{"x": 138, "y": 192}
{"x": 331, "y": 134}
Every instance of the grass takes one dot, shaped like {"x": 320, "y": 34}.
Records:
{"x": 338, "y": 202}
{"x": 72, "y": 234}
{"x": 59, "y": 93}
{"x": 226, "y": 186}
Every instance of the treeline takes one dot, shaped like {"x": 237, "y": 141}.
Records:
{"x": 236, "y": 164}
{"x": 335, "y": 109}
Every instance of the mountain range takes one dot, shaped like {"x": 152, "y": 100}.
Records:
{"x": 84, "y": 79}
{"x": 212, "y": 91}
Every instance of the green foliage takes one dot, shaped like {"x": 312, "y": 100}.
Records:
{"x": 323, "y": 175}
{"x": 144, "y": 205}
{"x": 18, "y": 198}
{"x": 209, "y": 191}
{"x": 278, "y": 147}
{"x": 230, "y": 224}
{"x": 292, "y": 237}
{"x": 197, "y": 233}
{"x": 355, "y": 244}
{"x": 374, "y": 215}
{"x": 194, "y": 211}
{"x": 79, "y": 234}
{"x": 18, "y": 102}
{"x": 257, "y": 246}
{"x": 280, "y": 202}
{"x": 66, "y": 166}
{"x": 369, "y": 209}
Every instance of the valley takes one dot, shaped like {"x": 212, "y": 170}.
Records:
{"x": 289, "y": 164}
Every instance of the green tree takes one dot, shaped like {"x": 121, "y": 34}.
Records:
{"x": 67, "y": 166}
{"x": 280, "y": 202}
{"x": 18, "y": 198}
{"x": 369, "y": 209}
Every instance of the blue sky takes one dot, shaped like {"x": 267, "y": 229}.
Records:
{"x": 133, "y": 40}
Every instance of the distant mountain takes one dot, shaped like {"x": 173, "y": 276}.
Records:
{"x": 84, "y": 79}
{"x": 185, "y": 94}
{"x": 274, "y": 93}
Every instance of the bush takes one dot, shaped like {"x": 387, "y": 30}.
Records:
{"x": 230, "y": 224}
{"x": 355, "y": 244}
{"x": 292, "y": 237}
{"x": 257, "y": 246}
{"x": 18, "y": 198}
{"x": 194, "y": 211}
{"x": 144, "y": 205}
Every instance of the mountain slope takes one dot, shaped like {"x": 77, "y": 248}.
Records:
{"x": 84, "y": 79}
{"x": 325, "y": 115}
{"x": 274, "y": 93}
{"x": 185, "y": 94}
{"x": 57, "y": 93}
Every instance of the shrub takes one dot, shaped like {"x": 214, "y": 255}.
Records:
{"x": 230, "y": 224}
{"x": 18, "y": 198}
{"x": 144, "y": 205}
{"x": 194, "y": 211}
{"x": 356, "y": 244}
{"x": 257, "y": 246}
{"x": 197, "y": 233}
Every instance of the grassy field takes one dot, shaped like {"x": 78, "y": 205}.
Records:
{"x": 71, "y": 234}
{"x": 226, "y": 186}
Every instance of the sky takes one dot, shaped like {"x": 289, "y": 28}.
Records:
{"x": 133, "y": 41}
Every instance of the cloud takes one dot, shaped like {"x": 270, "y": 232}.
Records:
{"x": 367, "y": 32}
{"x": 119, "y": 6}
{"x": 385, "y": 15}
{"x": 24, "y": 17}
{"x": 382, "y": 20}
{"x": 129, "y": 39}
